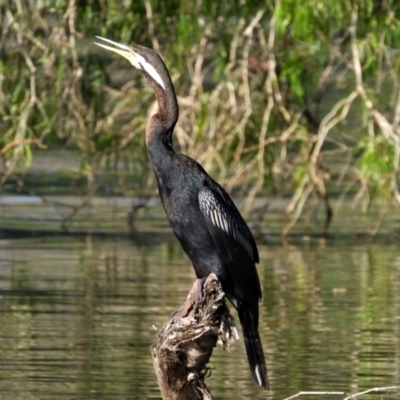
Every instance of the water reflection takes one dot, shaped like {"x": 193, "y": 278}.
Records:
{"x": 333, "y": 313}
{"x": 76, "y": 318}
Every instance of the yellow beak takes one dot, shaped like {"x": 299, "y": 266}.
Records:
{"x": 123, "y": 50}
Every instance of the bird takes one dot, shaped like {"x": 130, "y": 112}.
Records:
{"x": 202, "y": 215}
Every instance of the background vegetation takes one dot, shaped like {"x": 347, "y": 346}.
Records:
{"x": 290, "y": 97}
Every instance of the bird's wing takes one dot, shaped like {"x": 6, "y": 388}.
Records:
{"x": 220, "y": 210}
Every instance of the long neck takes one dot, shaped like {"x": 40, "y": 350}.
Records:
{"x": 161, "y": 125}
{"x": 159, "y": 145}
{"x": 158, "y": 137}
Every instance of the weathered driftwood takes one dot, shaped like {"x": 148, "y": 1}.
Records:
{"x": 186, "y": 341}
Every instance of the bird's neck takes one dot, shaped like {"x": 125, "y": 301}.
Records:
{"x": 157, "y": 136}
{"x": 168, "y": 110}
{"x": 159, "y": 144}
{"x": 161, "y": 125}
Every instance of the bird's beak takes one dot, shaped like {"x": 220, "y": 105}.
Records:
{"x": 123, "y": 50}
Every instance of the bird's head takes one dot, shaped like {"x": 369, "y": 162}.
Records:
{"x": 142, "y": 58}
{"x": 150, "y": 64}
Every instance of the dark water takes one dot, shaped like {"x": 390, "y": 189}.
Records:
{"x": 78, "y": 309}
{"x": 77, "y": 316}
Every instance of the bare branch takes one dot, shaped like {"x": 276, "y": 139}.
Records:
{"x": 186, "y": 341}
{"x": 313, "y": 394}
{"x": 376, "y": 389}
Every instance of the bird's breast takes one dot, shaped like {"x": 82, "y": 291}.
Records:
{"x": 181, "y": 203}
{"x": 179, "y": 196}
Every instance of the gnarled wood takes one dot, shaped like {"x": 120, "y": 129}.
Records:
{"x": 185, "y": 343}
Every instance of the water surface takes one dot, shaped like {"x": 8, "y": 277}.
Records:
{"x": 81, "y": 296}
{"x": 77, "y": 316}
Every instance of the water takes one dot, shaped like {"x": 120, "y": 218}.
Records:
{"x": 77, "y": 316}
{"x": 80, "y": 296}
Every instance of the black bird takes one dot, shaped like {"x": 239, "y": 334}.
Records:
{"x": 202, "y": 215}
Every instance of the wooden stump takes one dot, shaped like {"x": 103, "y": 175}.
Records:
{"x": 185, "y": 343}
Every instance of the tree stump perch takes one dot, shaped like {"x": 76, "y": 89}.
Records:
{"x": 185, "y": 343}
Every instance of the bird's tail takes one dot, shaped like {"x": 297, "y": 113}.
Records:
{"x": 254, "y": 349}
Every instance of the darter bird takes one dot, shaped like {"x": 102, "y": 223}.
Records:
{"x": 203, "y": 217}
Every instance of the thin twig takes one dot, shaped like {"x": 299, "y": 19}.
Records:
{"x": 313, "y": 394}
{"x": 375, "y": 389}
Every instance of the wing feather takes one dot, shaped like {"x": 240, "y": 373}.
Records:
{"x": 223, "y": 214}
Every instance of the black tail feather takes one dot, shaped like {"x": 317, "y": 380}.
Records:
{"x": 254, "y": 349}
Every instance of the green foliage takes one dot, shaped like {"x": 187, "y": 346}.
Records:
{"x": 377, "y": 163}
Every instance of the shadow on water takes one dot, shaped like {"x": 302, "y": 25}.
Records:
{"x": 140, "y": 238}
